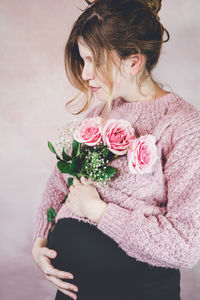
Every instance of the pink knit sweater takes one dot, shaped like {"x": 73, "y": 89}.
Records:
{"x": 155, "y": 217}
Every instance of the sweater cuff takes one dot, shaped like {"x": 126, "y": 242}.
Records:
{"x": 41, "y": 230}
{"x": 63, "y": 213}
{"x": 113, "y": 221}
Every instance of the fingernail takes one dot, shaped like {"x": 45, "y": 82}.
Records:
{"x": 71, "y": 276}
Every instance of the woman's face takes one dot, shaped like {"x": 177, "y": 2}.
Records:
{"x": 97, "y": 83}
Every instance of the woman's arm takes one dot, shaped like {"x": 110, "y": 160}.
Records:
{"x": 53, "y": 195}
{"x": 170, "y": 239}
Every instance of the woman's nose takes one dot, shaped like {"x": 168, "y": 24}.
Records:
{"x": 87, "y": 73}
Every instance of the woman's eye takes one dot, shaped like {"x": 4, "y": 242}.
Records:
{"x": 82, "y": 61}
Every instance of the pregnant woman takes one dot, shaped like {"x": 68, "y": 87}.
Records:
{"x": 127, "y": 240}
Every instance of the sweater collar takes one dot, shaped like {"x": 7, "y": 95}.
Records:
{"x": 145, "y": 106}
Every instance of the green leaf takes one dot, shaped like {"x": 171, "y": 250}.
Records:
{"x": 51, "y": 214}
{"x": 75, "y": 148}
{"x": 106, "y": 154}
{"x": 58, "y": 157}
{"x": 75, "y": 166}
{"x": 52, "y": 211}
{"x": 63, "y": 166}
{"x": 70, "y": 181}
{"x": 79, "y": 149}
{"x": 73, "y": 173}
{"x": 108, "y": 172}
{"x": 51, "y": 147}
{"x": 49, "y": 217}
{"x": 65, "y": 156}
{"x": 110, "y": 155}
{"x": 64, "y": 199}
{"x": 83, "y": 163}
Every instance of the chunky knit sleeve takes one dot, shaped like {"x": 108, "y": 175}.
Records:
{"x": 55, "y": 190}
{"x": 170, "y": 239}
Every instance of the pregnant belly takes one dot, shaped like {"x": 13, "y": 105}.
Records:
{"x": 96, "y": 260}
{"x": 83, "y": 246}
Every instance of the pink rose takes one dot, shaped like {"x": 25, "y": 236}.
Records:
{"x": 142, "y": 154}
{"x": 89, "y": 131}
{"x": 117, "y": 134}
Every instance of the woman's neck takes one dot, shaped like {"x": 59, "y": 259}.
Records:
{"x": 149, "y": 90}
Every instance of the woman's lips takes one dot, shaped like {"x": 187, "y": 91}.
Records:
{"x": 94, "y": 89}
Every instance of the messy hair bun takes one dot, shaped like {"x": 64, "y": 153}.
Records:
{"x": 154, "y": 5}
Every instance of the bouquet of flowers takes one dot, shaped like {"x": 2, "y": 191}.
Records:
{"x": 95, "y": 143}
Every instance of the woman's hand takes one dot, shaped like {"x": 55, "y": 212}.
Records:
{"x": 84, "y": 200}
{"x": 42, "y": 256}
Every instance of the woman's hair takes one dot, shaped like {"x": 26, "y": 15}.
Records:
{"x": 124, "y": 27}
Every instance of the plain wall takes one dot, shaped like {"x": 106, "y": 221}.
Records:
{"x": 33, "y": 91}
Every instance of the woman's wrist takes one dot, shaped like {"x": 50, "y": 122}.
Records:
{"x": 98, "y": 212}
{"x": 40, "y": 242}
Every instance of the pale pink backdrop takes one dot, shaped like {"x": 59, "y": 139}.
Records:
{"x": 34, "y": 89}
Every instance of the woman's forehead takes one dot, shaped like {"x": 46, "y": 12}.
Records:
{"x": 84, "y": 50}
{"x": 86, "y": 53}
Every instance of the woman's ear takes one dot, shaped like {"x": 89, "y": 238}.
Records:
{"x": 137, "y": 62}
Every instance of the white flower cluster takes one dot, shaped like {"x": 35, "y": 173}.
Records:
{"x": 65, "y": 137}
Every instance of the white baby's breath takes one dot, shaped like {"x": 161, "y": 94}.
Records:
{"x": 65, "y": 137}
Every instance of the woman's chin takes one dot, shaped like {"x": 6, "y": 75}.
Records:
{"x": 103, "y": 98}
{"x": 100, "y": 98}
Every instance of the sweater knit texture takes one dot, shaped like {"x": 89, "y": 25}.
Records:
{"x": 155, "y": 217}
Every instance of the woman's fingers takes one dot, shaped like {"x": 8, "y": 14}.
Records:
{"x": 84, "y": 180}
{"x": 48, "y": 252}
{"x": 72, "y": 295}
{"x": 51, "y": 271}
{"x": 42, "y": 256}
{"x": 62, "y": 284}
{"x": 64, "y": 287}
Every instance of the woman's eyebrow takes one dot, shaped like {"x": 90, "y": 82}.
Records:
{"x": 86, "y": 57}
